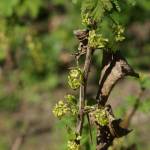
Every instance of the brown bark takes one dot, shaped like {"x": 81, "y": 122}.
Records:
{"x": 114, "y": 68}
{"x": 82, "y": 36}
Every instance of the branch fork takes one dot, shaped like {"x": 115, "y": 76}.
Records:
{"x": 114, "y": 68}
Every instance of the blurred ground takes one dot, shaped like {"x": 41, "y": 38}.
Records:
{"x": 46, "y": 133}
{"x": 36, "y": 43}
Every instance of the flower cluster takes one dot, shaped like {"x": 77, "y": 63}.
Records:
{"x": 119, "y": 31}
{"x": 69, "y": 106}
{"x": 96, "y": 40}
{"x": 101, "y": 117}
{"x": 60, "y": 109}
{"x": 72, "y": 145}
{"x": 86, "y": 20}
{"x": 75, "y": 78}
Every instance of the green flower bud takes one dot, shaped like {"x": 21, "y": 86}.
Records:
{"x": 86, "y": 19}
{"x": 101, "y": 117}
{"x": 78, "y": 138}
{"x": 72, "y": 145}
{"x": 60, "y": 109}
{"x": 96, "y": 40}
{"x": 75, "y": 78}
{"x": 70, "y": 98}
{"x": 119, "y": 33}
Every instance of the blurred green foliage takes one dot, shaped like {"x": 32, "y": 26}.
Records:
{"x": 32, "y": 35}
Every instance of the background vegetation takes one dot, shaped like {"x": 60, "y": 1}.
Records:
{"x": 36, "y": 39}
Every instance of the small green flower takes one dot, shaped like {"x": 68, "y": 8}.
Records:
{"x": 60, "y": 109}
{"x": 96, "y": 40}
{"x": 86, "y": 19}
{"x": 70, "y": 99}
{"x": 78, "y": 138}
{"x": 72, "y": 145}
{"x": 119, "y": 33}
{"x": 75, "y": 78}
{"x": 101, "y": 117}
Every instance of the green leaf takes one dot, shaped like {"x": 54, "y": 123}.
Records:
{"x": 115, "y": 2}
{"x": 71, "y": 133}
{"x": 132, "y": 2}
{"x": 96, "y": 8}
{"x": 29, "y": 7}
{"x": 7, "y": 6}
{"x": 3, "y": 54}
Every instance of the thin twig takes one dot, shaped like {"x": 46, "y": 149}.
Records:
{"x": 19, "y": 141}
{"x": 28, "y": 131}
{"x": 83, "y": 88}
